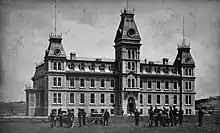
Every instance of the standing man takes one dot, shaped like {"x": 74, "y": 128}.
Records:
{"x": 136, "y": 115}
{"x": 79, "y": 117}
{"x": 84, "y": 117}
{"x": 106, "y": 117}
{"x": 156, "y": 112}
{"x": 180, "y": 116}
{"x": 200, "y": 115}
{"x": 72, "y": 118}
{"x": 171, "y": 116}
{"x": 52, "y": 119}
{"x": 60, "y": 117}
{"x": 151, "y": 115}
{"x": 174, "y": 115}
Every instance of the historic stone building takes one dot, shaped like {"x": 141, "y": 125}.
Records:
{"x": 123, "y": 83}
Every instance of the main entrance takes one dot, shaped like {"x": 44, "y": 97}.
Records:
{"x": 131, "y": 105}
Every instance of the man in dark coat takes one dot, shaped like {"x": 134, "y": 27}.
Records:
{"x": 136, "y": 115}
{"x": 151, "y": 115}
{"x": 52, "y": 118}
{"x": 156, "y": 112}
{"x": 171, "y": 116}
{"x": 200, "y": 115}
{"x": 180, "y": 116}
{"x": 84, "y": 117}
{"x": 60, "y": 117}
{"x": 80, "y": 117}
{"x": 174, "y": 115}
{"x": 106, "y": 117}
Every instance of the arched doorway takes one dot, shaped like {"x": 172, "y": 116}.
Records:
{"x": 131, "y": 105}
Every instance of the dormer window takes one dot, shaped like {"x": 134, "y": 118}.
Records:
{"x": 72, "y": 65}
{"x": 82, "y": 66}
{"x": 92, "y": 66}
{"x": 157, "y": 69}
{"x": 166, "y": 70}
{"x": 148, "y": 69}
{"x": 174, "y": 71}
{"x": 102, "y": 67}
{"x": 54, "y": 65}
{"x": 129, "y": 65}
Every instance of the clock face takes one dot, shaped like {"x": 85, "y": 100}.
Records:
{"x": 187, "y": 59}
{"x": 131, "y": 32}
{"x": 57, "y": 52}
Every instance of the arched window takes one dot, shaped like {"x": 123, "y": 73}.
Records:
{"x": 54, "y": 65}
{"x": 133, "y": 83}
{"x": 129, "y": 82}
{"x": 59, "y": 65}
{"x": 129, "y": 65}
{"x": 133, "y": 66}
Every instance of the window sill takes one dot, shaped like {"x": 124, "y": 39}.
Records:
{"x": 57, "y": 87}
{"x": 82, "y": 87}
{"x": 92, "y": 87}
{"x": 102, "y": 87}
{"x": 71, "y": 87}
{"x": 56, "y": 104}
{"x": 158, "y": 104}
{"x": 158, "y": 89}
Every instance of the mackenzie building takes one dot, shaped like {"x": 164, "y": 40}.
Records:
{"x": 123, "y": 83}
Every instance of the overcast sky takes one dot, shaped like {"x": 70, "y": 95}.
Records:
{"x": 89, "y": 28}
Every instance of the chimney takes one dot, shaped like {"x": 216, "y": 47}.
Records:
{"x": 72, "y": 56}
{"x": 165, "y": 61}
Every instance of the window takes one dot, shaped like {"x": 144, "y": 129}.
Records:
{"x": 112, "y": 83}
{"x": 112, "y": 98}
{"x": 133, "y": 83}
{"x": 148, "y": 69}
{"x": 190, "y": 85}
{"x": 54, "y": 97}
{"x": 82, "y": 66}
{"x": 133, "y": 54}
{"x": 112, "y": 111}
{"x": 102, "y": 98}
{"x": 186, "y": 71}
{"x": 157, "y": 69}
{"x": 187, "y": 112}
{"x": 92, "y": 100}
{"x": 37, "y": 99}
{"x": 129, "y": 82}
{"x": 167, "y": 99}
{"x": 188, "y": 100}
{"x": 141, "y": 111}
{"x": 190, "y": 111}
{"x": 133, "y": 66}
{"x": 59, "y": 97}
{"x": 102, "y": 83}
{"x": 141, "y": 84}
{"x": 59, "y": 81}
{"x": 190, "y": 72}
{"x": 59, "y": 65}
{"x": 129, "y": 54}
{"x": 129, "y": 65}
{"x": 141, "y": 69}
{"x": 72, "y": 66}
{"x": 71, "y": 82}
{"x": 141, "y": 99}
{"x": 174, "y": 85}
{"x": 158, "y": 84}
{"x": 71, "y": 98}
{"x": 82, "y": 83}
{"x": 82, "y": 98}
{"x": 93, "y": 66}
{"x": 92, "y": 83}
{"x": 166, "y": 85}
{"x": 102, "y": 67}
{"x": 149, "y": 84}
{"x": 158, "y": 99}
{"x": 54, "y": 65}
{"x": 186, "y": 84}
{"x": 175, "y": 99}
{"x": 55, "y": 81}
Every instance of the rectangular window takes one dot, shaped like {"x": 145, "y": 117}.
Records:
{"x": 158, "y": 84}
{"x": 54, "y": 97}
{"x": 141, "y": 84}
{"x": 190, "y": 85}
{"x": 55, "y": 81}
{"x": 141, "y": 111}
{"x": 112, "y": 111}
{"x": 112, "y": 83}
{"x": 186, "y": 85}
{"x": 133, "y": 66}
{"x": 92, "y": 83}
{"x": 59, "y": 81}
{"x": 82, "y": 83}
{"x": 149, "y": 99}
{"x": 112, "y": 98}
{"x": 190, "y": 72}
{"x": 129, "y": 54}
{"x": 133, "y": 54}
{"x": 167, "y": 99}
{"x": 59, "y": 98}
{"x": 175, "y": 99}
{"x": 71, "y": 98}
{"x": 149, "y": 84}
{"x": 174, "y": 85}
{"x": 82, "y": 98}
{"x": 190, "y": 111}
{"x": 129, "y": 82}
{"x": 166, "y": 85}
{"x": 158, "y": 99}
{"x": 102, "y": 83}
{"x": 37, "y": 99}
{"x": 92, "y": 100}
{"x": 190, "y": 102}
{"x": 186, "y": 100}
{"x": 71, "y": 82}
{"x": 102, "y": 98}
{"x": 141, "y": 99}
{"x": 133, "y": 83}
{"x": 129, "y": 65}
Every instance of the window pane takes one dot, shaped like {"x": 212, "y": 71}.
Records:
{"x": 71, "y": 97}
{"x": 133, "y": 66}
{"x": 81, "y": 98}
{"x": 112, "y": 83}
{"x": 190, "y": 100}
{"x": 112, "y": 111}
{"x": 129, "y": 82}
{"x": 55, "y": 66}
{"x": 149, "y": 84}
{"x": 141, "y": 99}
{"x": 129, "y": 54}
{"x": 190, "y": 86}
{"x": 129, "y": 65}
{"x": 54, "y": 81}
{"x": 54, "y": 97}
{"x": 166, "y": 99}
{"x": 102, "y": 98}
{"x": 112, "y": 98}
{"x": 186, "y": 99}
{"x": 175, "y": 85}
{"x": 166, "y": 85}
{"x": 141, "y": 84}
{"x": 175, "y": 99}
{"x": 102, "y": 83}
{"x": 92, "y": 83}
{"x": 72, "y": 82}
{"x": 158, "y": 84}
{"x": 81, "y": 82}
{"x": 149, "y": 99}
{"x": 37, "y": 99}
{"x": 59, "y": 97}
{"x": 133, "y": 83}
{"x": 59, "y": 81}
{"x": 92, "y": 98}
{"x": 59, "y": 65}
{"x": 158, "y": 99}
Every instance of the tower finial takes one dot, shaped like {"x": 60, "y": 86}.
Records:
{"x": 55, "y": 13}
{"x": 183, "y": 28}
{"x": 127, "y": 4}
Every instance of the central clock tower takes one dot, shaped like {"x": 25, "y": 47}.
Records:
{"x": 127, "y": 54}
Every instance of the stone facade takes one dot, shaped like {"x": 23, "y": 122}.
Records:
{"x": 123, "y": 83}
